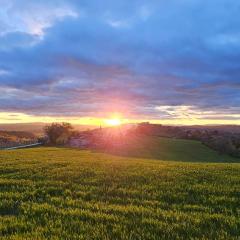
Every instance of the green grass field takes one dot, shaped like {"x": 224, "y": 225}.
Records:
{"x": 170, "y": 149}
{"x": 58, "y": 193}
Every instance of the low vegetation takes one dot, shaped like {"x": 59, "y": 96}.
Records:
{"x": 15, "y": 138}
{"x": 60, "y": 193}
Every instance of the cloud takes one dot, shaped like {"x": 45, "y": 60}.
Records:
{"x": 194, "y": 113}
{"x": 4, "y": 72}
{"x": 118, "y": 23}
{"x": 154, "y": 59}
{"x": 32, "y": 17}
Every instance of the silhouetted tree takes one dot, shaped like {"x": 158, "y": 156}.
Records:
{"x": 58, "y": 133}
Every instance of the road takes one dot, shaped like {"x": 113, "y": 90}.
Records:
{"x": 23, "y": 146}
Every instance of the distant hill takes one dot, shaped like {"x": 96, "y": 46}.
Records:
{"x": 223, "y": 139}
{"x": 18, "y": 134}
{"x": 223, "y": 128}
{"x": 37, "y": 128}
{"x": 16, "y": 138}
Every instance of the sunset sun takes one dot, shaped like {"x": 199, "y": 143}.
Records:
{"x": 113, "y": 122}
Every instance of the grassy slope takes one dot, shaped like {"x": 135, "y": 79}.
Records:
{"x": 50, "y": 193}
{"x": 171, "y": 150}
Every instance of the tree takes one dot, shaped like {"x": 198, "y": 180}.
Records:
{"x": 58, "y": 133}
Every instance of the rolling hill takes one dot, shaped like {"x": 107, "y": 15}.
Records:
{"x": 169, "y": 149}
{"x": 37, "y": 128}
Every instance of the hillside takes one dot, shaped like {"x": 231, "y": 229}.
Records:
{"x": 54, "y": 193}
{"x": 126, "y": 138}
{"x": 222, "y": 128}
{"x": 37, "y": 128}
{"x": 13, "y": 138}
{"x": 168, "y": 149}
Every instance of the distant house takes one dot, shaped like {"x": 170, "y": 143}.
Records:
{"x": 80, "y": 142}
{"x": 86, "y": 139}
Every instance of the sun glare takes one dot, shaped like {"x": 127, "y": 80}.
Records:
{"x": 113, "y": 122}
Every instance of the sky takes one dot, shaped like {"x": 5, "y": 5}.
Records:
{"x": 174, "y": 62}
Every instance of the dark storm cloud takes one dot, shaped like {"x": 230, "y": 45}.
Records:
{"x": 88, "y": 57}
